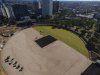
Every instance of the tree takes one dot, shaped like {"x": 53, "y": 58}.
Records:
{"x": 5, "y": 20}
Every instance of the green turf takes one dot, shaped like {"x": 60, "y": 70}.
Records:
{"x": 66, "y": 36}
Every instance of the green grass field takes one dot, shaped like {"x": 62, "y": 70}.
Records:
{"x": 66, "y": 36}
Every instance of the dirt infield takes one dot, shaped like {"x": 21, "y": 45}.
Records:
{"x": 56, "y": 58}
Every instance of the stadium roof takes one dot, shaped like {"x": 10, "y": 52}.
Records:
{"x": 25, "y": 55}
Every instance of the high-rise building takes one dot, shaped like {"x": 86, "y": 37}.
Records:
{"x": 10, "y": 1}
{"x": 35, "y": 5}
{"x": 97, "y": 17}
{"x": 1, "y": 14}
{"x": 98, "y": 26}
{"x": 39, "y": 2}
{"x": 0, "y": 8}
{"x": 20, "y": 11}
{"x": 6, "y": 9}
{"x": 47, "y": 7}
{"x": 0, "y": 11}
{"x": 56, "y": 5}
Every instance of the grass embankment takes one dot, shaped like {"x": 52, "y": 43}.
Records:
{"x": 66, "y": 36}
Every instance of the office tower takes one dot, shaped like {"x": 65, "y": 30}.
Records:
{"x": 0, "y": 11}
{"x": 56, "y": 5}
{"x": 6, "y": 9}
{"x": 97, "y": 17}
{"x": 47, "y": 7}
{"x": 0, "y": 8}
{"x": 10, "y": 1}
{"x": 39, "y": 2}
{"x": 20, "y": 11}
{"x": 35, "y": 5}
{"x": 98, "y": 26}
{"x": 0, "y": 3}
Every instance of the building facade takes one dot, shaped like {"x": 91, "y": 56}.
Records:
{"x": 6, "y": 9}
{"x": 56, "y": 5}
{"x": 47, "y": 7}
{"x": 1, "y": 14}
{"x": 0, "y": 9}
{"x": 20, "y": 11}
{"x": 97, "y": 17}
{"x": 98, "y": 26}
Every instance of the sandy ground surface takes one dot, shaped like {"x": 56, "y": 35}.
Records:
{"x": 1, "y": 69}
{"x": 2, "y": 72}
{"x": 56, "y": 58}
{"x": 5, "y": 39}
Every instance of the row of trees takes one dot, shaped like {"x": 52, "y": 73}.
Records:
{"x": 6, "y": 21}
{"x": 76, "y": 22}
{"x": 3, "y": 20}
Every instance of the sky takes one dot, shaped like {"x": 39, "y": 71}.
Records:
{"x": 79, "y": 0}
{"x": 70, "y": 0}
{"x": 67, "y": 0}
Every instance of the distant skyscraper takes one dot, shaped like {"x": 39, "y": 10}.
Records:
{"x": 0, "y": 2}
{"x": 56, "y": 5}
{"x": 39, "y": 3}
{"x": 97, "y": 16}
{"x": 0, "y": 7}
{"x": 98, "y": 26}
{"x": 6, "y": 9}
{"x": 35, "y": 5}
{"x": 47, "y": 7}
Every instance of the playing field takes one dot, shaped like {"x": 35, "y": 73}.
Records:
{"x": 66, "y": 36}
